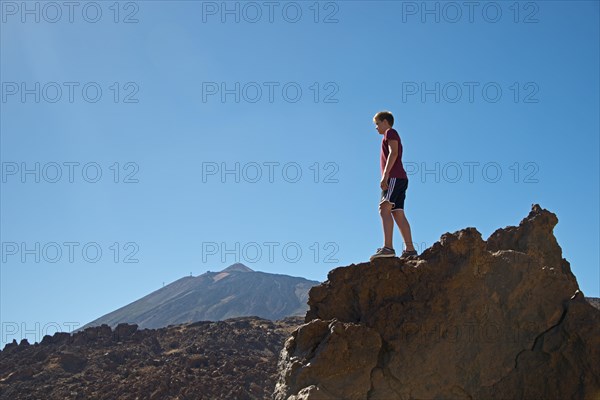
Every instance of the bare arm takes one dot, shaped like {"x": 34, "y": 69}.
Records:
{"x": 393, "y": 148}
{"x": 392, "y": 156}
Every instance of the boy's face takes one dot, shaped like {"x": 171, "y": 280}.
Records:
{"x": 381, "y": 125}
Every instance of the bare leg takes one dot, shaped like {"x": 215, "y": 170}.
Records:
{"x": 385, "y": 210}
{"x": 404, "y": 228}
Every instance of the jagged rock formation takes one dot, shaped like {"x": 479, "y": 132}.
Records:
{"x": 232, "y": 359}
{"x": 236, "y": 291}
{"x": 468, "y": 319}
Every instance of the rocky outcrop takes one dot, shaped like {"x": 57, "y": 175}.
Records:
{"x": 468, "y": 319}
{"x": 232, "y": 359}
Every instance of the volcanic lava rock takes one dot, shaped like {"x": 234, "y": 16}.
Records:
{"x": 232, "y": 359}
{"x": 468, "y": 319}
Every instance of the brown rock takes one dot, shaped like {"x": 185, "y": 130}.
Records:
{"x": 312, "y": 392}
{"x": 10, "y": 347}
{"x": 124, "y": 331}
{"x": 234, "y": 359}
{"x": 57, "y": 339}
{"x": 71, "y": 362}
{"x": 196, "y": 361}
{"x": 324, "y": 343}
{"x": 18, "y": 375}
{"x": 594, "y": 301}
{"x": 468, "y": 319}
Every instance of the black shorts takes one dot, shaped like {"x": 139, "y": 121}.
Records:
{"x": 395, "y": 193}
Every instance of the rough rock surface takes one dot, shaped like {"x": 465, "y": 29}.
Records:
{"x": 467, "y": 319}
{"x": 594, "y": 301}
{"x": 232, "y": 359}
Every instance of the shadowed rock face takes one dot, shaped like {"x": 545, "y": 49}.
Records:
{"x": 468, "y": 319}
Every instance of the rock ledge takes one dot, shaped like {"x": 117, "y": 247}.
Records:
{"x": 468, "y": 319}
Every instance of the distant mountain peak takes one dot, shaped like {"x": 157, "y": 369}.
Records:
{"x": 213, "y": 296}
{"x": 238, "y": 267}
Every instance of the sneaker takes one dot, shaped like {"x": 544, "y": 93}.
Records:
{"x": 383, "y": 252}
{"x": 410, "y": 253}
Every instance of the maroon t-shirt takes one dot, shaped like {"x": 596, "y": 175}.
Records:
{"x": 397, "y": 170}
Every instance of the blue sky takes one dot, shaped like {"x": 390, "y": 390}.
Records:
{"x": 499, "y": 103}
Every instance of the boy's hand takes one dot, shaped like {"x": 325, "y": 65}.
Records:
{"x": 384, "y": 182}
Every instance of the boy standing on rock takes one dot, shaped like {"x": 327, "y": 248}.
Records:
{"x": 394, "y": 182}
